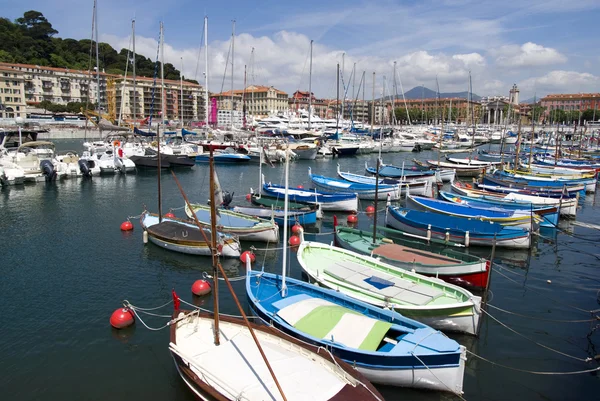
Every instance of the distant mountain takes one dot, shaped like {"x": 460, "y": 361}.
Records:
{"x": 530, "y": 100}
{"x": 419, "y": 92}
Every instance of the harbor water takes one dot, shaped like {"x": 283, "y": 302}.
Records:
{"x": 66, "y": 266}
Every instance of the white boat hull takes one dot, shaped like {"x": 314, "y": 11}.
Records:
{"x": 438, "y": 379}
{"x": 232, "y": 250}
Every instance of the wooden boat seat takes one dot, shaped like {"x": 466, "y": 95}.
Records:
{"x": 177, "y": 232}
{"x": 402, "y": 290}
{"x": 410, "y": 255}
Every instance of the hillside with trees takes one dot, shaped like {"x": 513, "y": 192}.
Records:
{"x": 31, "y": 39}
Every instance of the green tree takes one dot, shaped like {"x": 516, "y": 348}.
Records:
{"x": 37, "y": 26}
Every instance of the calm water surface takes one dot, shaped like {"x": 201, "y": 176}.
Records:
{"x": 66, "y": 266}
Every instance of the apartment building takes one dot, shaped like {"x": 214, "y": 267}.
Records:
{"x": 571, "y": 102}
{"x": 12, "y": 93}
{"x": 183, "y": 100}
{"x": 34, "y": 84}
{"x": 260, "y": 101}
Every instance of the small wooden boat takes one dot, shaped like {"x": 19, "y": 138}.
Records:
{"x": 235, "y": 369}
{"x": 429, "y": 300}
{"x": 248, "y": 228}
{"x": 556, "y": 187}
{"x": 589, "y": 179}
{"x": 420, "y": 256}
{"x": 548, "y": 214}
{"x": 567, "y": 206}
{"x": 515, "y": 218}
{"x": 306, "y": 215}
{"x": 415, "y": 187}
{"x": 460, "y": 169}
{"x": 467, "y": 231}
{"x": 471, "y": 162}
{"x": 381, "y": 344}
{"x": 364, "y": 191}
{"x": 390, "y": 171}
{"x": 345, "y": 202}
{"x": 184, "y": 237}
{"x": 539, "y": 181}
{"x": 276, "y": 202}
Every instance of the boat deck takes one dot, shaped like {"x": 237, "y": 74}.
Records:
{"x": 238, "y": 370}
{"x": 396, "y": 288}
{"x": 411, "y": 255}
{"x": 179, "y": 232}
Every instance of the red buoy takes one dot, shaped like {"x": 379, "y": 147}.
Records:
{"x": 169, "y": 215}
{"x": 352, "y": 219}
{"x": 247, "y": 254}
{"x": 201, "y": 287}
{"x": 126, "y": 226}
{"x": 370, "y": 209}
{"x": 300, "y": 186}
{"x": 121, "y": 318}
{"x": 248, "y": 197}
{"x": 296, "y": 228}
{"x": 294, "y": 240}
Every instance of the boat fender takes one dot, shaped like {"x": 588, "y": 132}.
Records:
{"x": 84, "y": 167}
{"x": 387, "y": 241}
{"x": 48, "y": 170}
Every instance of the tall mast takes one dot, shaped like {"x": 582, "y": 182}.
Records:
{"x": 394, "y": 97}
{"x": 232, "y": 54}
{"x": 364, "y": 83}
{"x": 285, "y": 221}
{"x": 343, "y": 97}
{"x": 162, "y": 73}
{"x": 181, "y": 92}
{"x": 97, "y": 55}
{"x": 310, "y": 85}
{"x": 373, "y": 104}
{"x": 133, "y": 69}
{"x": 337, "y": 117}
{"x": 213, "y": 246}
{"x": 442, "y": 130}
{"x": 353, "y": 83}
{"x": 206, "y": 71}
{"x": 533, "y": 132}
{"x": 472, "y": 117}
{"x": 244, "y": 100}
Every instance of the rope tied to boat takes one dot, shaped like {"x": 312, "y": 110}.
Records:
{"x": 588, "y": 359}
{"x": 459, "y": 395}
{"x": 592, "y": 312}
{"x": 139, "y": 216}
{"x": 339, "y": 367}
{"x": 205, "y": 275}
{"x": 596, "y": 369}
{"x": 595, "y": 318}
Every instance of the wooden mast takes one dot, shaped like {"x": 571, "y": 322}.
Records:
{"x": 218, "y": 266}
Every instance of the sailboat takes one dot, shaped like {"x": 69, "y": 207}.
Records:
{"x": 382, "y": 344}
{"x": 229, "y": 358}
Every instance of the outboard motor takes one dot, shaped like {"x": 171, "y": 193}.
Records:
{"x": 48, "y": 170}
{"x": 84, "y": 167}
{"x": 3, "y": 177}
{"x": 227, "y": 198}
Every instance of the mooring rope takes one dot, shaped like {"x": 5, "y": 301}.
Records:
{"x": 449, "y": 389}
{"x": 543, "y": 319}
{"x": 588, "y": 359}
{"x": 533, "y": 371}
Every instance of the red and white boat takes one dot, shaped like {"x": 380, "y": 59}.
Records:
{"x": 418, "y": 254}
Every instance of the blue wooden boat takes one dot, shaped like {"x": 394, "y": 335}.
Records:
{"x": 363, "y": 190}
{"x": 549, "y": 214}
{"x": 415, "y": 187}
{"x": 224, "y": 158}
{"x": 345, "y": 202}
{"x": 383, "y": 345}
{"x": 390, "y": 171}
{"x": 300, "y": 216}
{"x": 185, "y": 132}
{"x": 467, "y": 231}
{"x": 514, "y": 185}
{"x": 520, "y": 218}
{"x": 589, "y": 183}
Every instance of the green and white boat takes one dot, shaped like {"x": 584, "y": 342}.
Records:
{"x": 245, "y": 227}
{"x": 427, "y": 299}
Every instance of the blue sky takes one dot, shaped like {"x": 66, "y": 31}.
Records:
{"x": 544, "y": 46}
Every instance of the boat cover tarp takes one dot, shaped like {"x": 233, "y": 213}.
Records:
{"x": 323, "y": 319}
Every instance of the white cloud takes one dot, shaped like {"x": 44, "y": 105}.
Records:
{"x": 282, "y": 60}
{"x": 527, "y": 55}
{"x": 560, "y": 81}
